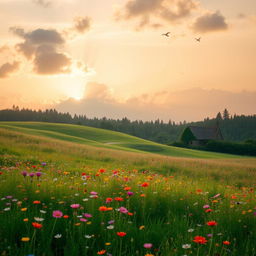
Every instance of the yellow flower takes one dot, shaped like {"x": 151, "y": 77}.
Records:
{"x": 141, "y": 227}
{"x": 89, "y": 223}
{"x": 23, "y": 209}
{"x": 25, "y": 219}
{"x": 25, "y": 239}
{"x": 77, "y": 224}
{"x": 107, "y": 243}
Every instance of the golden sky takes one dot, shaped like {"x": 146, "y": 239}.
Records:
{"x": 109, "y": 58}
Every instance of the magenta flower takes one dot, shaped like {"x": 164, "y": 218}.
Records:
{"x": 75, "y": 206}
{"x": 32, "y": 174}
{"x": 87, "y": 215}
{"x": 123, "y": 210}
{"x": 24, "y": 173}
{"x": 206, "y": 206}
{"x": 57, "y": 214}
{"x": 130, "y": 193}
{"x": 93, "y": 193}
{"x": 43, "y": 164}
{"x": 38, "y": 174}
{"x": 148, "y": 245}
{"x": 83, "y": 219}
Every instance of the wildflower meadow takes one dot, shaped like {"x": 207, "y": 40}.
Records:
{"x": 73, "y": 201}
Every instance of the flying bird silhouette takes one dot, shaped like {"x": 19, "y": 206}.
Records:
{"x": 198, "y": 39}
{"x": 166, "y": 34}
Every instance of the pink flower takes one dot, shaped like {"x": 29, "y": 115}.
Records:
{"x": 83, "y": 220}
{"x": 87, "y": 215}
{"x": 148, "y": 245}
{"x": 123, "y": 210}
{"x": 93, "y": 193}
{"x": 57, "y": 214}
{"x": 129, "y": 193}
{"x": 216, "y": 196}
{"x": 206, "y": 206}
{"x": 75, "y": 206}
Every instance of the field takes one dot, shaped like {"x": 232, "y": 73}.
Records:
{"x": 72, "y": 190}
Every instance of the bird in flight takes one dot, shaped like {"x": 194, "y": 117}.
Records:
{"x": 166, "y": 34}
{"x": 198, "y": 39}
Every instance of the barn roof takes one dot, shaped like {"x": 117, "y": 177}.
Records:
{"x": 206, "y": 133}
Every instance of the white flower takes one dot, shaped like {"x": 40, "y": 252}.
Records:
{"x": 42, "y": 211}
{"x": 190, "y": 230}
{"x": 87, "y": 236}
{"x": 85, "y": 199}
{"x": 58, "y": 236}
{"x": 7, "y": 209}
{"x": 110, "y": 227}
{"x": 84, "y": 178}
{"x": 186, "y": 246}
{"x": 38, "y": 219}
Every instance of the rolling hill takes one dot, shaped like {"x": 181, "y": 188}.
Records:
{"x": 104, "y": 139}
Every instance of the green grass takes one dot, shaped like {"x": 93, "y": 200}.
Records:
{"x": 105, "y": 138}
{"x": 161, "y": 213}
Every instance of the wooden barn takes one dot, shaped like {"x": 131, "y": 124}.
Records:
{"x": 199, "y": 136}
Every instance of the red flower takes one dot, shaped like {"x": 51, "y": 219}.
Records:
{"x": 101, "y": 252}
{"x": 121, "y": 234}
{"x": 212, "y": 223}
{"x": 36, "y": 202}
{"x": 208, "y": 210}
{"x": 226, "y": 242}
{"x": 83, "y": 173}
{"x": 200, "y": 240}
{"x": 109, "y": 200}
{"x": 119, "y": 199}
{"x": 102, "y": 170}
{"x": 65, "y": 216}
{"x": 145, "y": 184}
{"x": 37, "y": 225}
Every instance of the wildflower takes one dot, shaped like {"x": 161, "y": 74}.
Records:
{"x": 110, "y": 227}
{"x": 24, "y": 173}
{"x": 87, "y": 215}
{"x": 105, "y": 208}
{"x": 7, "y": 209}
{"x": 25, "y": 239}
{"x": 36, "y": 202}
{"x": 31, "y": 174}
{"x": 130, "y": 193}
{"x": 38, "y": 219}
{"x": 141, "y": 227}
{"x": 107, "y": 244}
{"x": 38, "y": 174}
{"x": 206, "y": 206}
{"x": 208, "y": 210}
{"x": 57, "y": 214}
{"x": 65, "y": 216}
{"x": 200, "y": 240}
{"x": 23, "y": 209}
{"x": 121, "y": 234}
{"x": 186, "y": 246}
{"x": 83, "y": 219}
{"x": 226, "y": 242}
{"x": 111, "y": 222}
{"x": 127, "y": 188}
{"x": 109, "y": 200}
{"x": 88, "y": 237}
{"x": 25, "y": 220}
{"x": 190, "y": 230}
{"x": 43, "y": 163}
{"x": 148, "y": 254}
{"x": 123, "y": 210}
{"x": 57, "y": 236}
{"x": 37, "y": 225}
{"x": 147, "y": 245}
{"x": 93, "y": 193}
{"x": 101, "y": 252}
{"x": 119, "y": 199}
{"x": 75, "y": 206}
{"x": 212, "y": 223}
{"x": 102, "y": 170}
{"x": 145, "y": 184}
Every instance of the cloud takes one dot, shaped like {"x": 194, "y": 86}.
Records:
{"x": 44, "y": 48}
{"x": 82, "y": 24}
{"x": 4, "y": 48}
{"x": 191, "y": 105}
{"x": 8, "y": 68}
{"x": 43, "y": 3}
{"x": 210, "y": 22}
{"x": 163, "y": 11}
{"x": 47, "y": 61}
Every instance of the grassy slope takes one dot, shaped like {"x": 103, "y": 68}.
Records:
{"x": 104, "y": 139}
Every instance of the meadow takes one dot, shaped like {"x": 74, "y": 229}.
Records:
{"x": 72, "y": 190}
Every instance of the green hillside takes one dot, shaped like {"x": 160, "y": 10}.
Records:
{"x": 104, "y": 139}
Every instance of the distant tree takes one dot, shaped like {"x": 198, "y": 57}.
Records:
{"x": 226, "y": 114}
{"x": 219, "y": 116}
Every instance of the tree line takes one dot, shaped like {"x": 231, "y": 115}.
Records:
{"x": 234, "y": 128}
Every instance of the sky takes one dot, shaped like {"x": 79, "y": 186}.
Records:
{"x": 111, "y": 58}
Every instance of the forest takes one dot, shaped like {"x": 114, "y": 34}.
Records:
{"x": 234, "y": 128}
